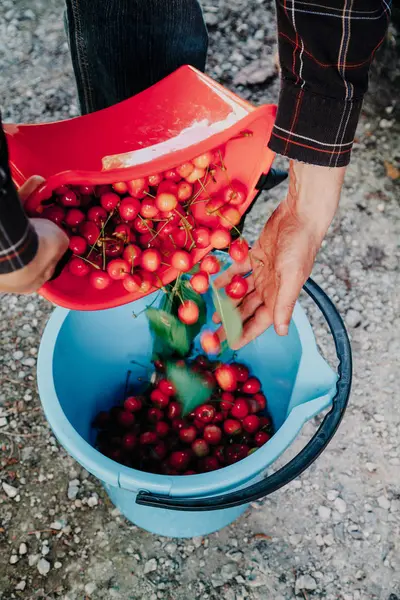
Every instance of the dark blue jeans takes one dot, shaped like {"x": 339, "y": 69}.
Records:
{"x": 121, "y": 47}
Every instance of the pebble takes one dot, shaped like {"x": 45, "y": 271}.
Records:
{"x": 73, "y": 489}
{"x": 371, "y": 467}
{"x": 305, "y": 582}
{"x": 258, "y": 71}
{"x": 229, "y": 571}
{"x": 171, "y": 548}
{"x": 383, "y": 502}
{"x": 93, "y": 501}
{"x": 340, "y": 505}
{"x": 57, "y": 564}
{"x": 23, "y": 549}
{"x": 9, "y": 490}
{"x": 324, "y": 513}
{"x": 150, "y": 566}
{"x": 3, "y": 421}
{"x": 90, "y": 588}
{"x": 43, "y": 566}
{"x": 29, "y": 362}
{"x": 13, "y": 559}
{"x": 58, "y": 525}
{"x": 21, "y": 586}
{"x": 332, "y": 495}
{"x": 17, "y": 355}
{"x": 32, "y": 559}
{"x": 353, "y": 318}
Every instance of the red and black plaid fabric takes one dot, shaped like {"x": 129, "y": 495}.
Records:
{"x": 325, "y": 50}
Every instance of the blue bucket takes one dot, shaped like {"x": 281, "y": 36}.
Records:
{"x": 82, "y": 366}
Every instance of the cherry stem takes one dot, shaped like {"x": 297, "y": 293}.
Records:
{"x": 88, "y": 261}
{"x": 231, "y": 224}
{"x": 101, "y": 234}
{"x": 104, "y": 255}
{"x": 135, "y": 316}
{"x": 128, "y": 376}
{"x": 148, "y": 194}
{"x": 225, "y": 171}
{"x": 145, "y": 222}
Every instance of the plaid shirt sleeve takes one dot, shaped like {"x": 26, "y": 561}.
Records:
{"x": 18, "y": 240}
{"x": 325, "y": 51}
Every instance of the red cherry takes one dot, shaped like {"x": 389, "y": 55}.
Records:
{"x": 212, "y": 434}
{"x": 251, "y": 423}
{"x": 200, "y": 282}
{"x": 185, "y": 191}
{"x": 261, "y": 438}
{"x": 159, "y": 399}
{"x": 220, "y": 238}
{"x": 178, "y": 424}
{"x": 261, "y": 401}
{"x": 201, "y": 236}
{"x": 195, "y": 175}
{"x": 174, "y": 410}
{"x": 77, "y": 244}
{"x": 203, "y": 161}
{"x": 137, "y": 187}
{"x": 102, "y": 189}
{"x": 159, "y": 450}
{"x": 199, "y": 425}
{"x": 132, "y": 254}
{"x": 240, "y": 409}
{"x": 99, "y": 279}
{"x": 226, "y": 378}
{"x": 74, "y": 217}
{"x": 265, "y": 422}
{"x": 149, "y": 209}
{"x": 90, "y": 232}
{"x": 118, "y": 268}
{"x": 132, "y": 283}
{"x": 200, "y": 448}
{"x": 237, "y": 287}
{"x": 166, "y": 202}
{"x": 126, "y": 418}
{"x": 133, "y": 403}
{"x": 54, "y": 213}
{"x": 188, "y": 434}
{"x": 232, "y": 427}
{"x": 208, "y": 379}
{"x": 148, "y": 438}
{"x": 61, "y": 190}
{"x": 151, "y": 260}
{"x": 143, "y": 225}
{"x": 129, "y": 208}
{"x": 202, "y": 361}
{"x": 116, "y": 454}
{"x": 154, "y": 179}
{"x": 213, "y": 206}
{"x": 188, "y": 312}
{"x": 210, "y": 265}
{"x": 181, "y": 261}
{"x": 154, "y": 414}
{"x": 227, "y": 401}
{"x": 229, "y": 216}
{"x": 114, "y": 248}
{"x": 205, "y": 413}
{"x": 77, "y": 266}
{"x": 210, "y": 463}
{"x": 166, "y": 387}
{"x": 123, "y": 232}
{"x": 129, "y": 441}
{"x": 109, "y": 201}
{"x": 253, "y": 406}
{"x": 147, "y": 281}
{"x": 69, "y": 199}
{"x": 190, "y": 472}
{"x": 167, "y": 187}
{"x": 235, "y": 193}
{"x": 251, "y": 386}
{"x": 120, "y": 187}
{"x": 219, "y": 453}
{"x": 242, "y": 372}
{"x": 98, "y": 215}
{"x": 185, "y": 169}
{"x": 179, "y": 460}
{"x": 239, "y": 250}
{"x": 162, "y": 429}
{"x": 172, "y": 175}
{"x": 210, "y": 343}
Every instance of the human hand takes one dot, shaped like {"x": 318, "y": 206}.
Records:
{"x": 53, "y": 243}
{"x": 283, "y": 256}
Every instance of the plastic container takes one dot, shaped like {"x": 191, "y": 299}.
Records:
{"x": 177, "y": 119}
{"x": 82, "y": 366}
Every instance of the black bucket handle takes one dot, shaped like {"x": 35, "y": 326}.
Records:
{"x": 308, "y": 454}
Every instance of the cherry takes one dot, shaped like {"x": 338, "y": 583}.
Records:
{"x": 212, "y": 434}
{"x": 237, "y": 287}
{"x": 200, "y": 282}
{"x": 261, "y": 438}
{"x": 126, "y": 418}
{"x": 102, "y": 419}
{"x": 147, "y": 281}
{"x": 179, "y": 460}
{"x": 166, "y": 202}
{"x": 162, "y": 429}
{"x": 210, "y": 343}
{"x": 180, "y": 238}
{"x": 188, "y": 312}
{"x": 114, "y": 248}
{"x": 200, "y": 448}
{"x": 202, "y": 361}
{"x": 54, "y": 213}
{"x": 251, "y": 423}
{"x": 155, "y": 179}
{"x": 74, "y": 217}
{"x": 235, "y": 193}
{"x": 102, "y": 189}
{"x": 185, "y": 191}
{"x": 181, "y": 261}
{"x": 154, "y": 414}
{"x": 77, "y": 266}
{"x": 251, "y": 386}
{"x": 123, "y": 232}
{"x": 199, "y": 425}
{"x": 261, "y": 401}
{"x": 232, "y": 427}
{"x": 151, "y": 260}
{"x": 118, "y": 268}
{"x": 219, "y": 453}
{"x": 168, "y": 187}
{"x": 253, "y": 406}
{"x": 203, "y": 161}
{"x": 174, "y": 410}
{"x": 149, "y": 209}
{"x": 99, "y": 280}
{"x": 229, "y": 216}
{"x": 239, "y": 250}
{"x": 69, "y": 199}
{"x": 208, "y": 379}
{"x": 90, "y": 232}
{"x": 159, "y": 451}
{"x": 201, "y": 236}
{"x": 205, "y": 413}
{"x": 132, "y": 283}
{"x": 143, "y": 225}
{"x": 240, "y": 409}
{"x": 132, "y": 254}
{"x": 77, "y": 244}
{"x": 210, "y": 463}
{"x": 190, "y": 472}
{"x": 129, "y": 441}
{"x": 109, "y": 201}
{"x": 188, "y": 434}
{"x": 116, "y": 454}
{"x": 227, "y": 401}
{"x": 178, "y": 424}
{"x": 133, "y": 403}
{"x": 137, "y": 187}
{"x": 159, "y": 399}
{"x": 195, "y": 175}
{"x": 166, "y": 387}
{"x": 61, "y": 190}
{"x": 97, "y": 214}
{"x": 148, "y": 438}
{"x": 185, "y": 169}
{"x": 265, "y": 422}
{"x": 210, "y": 265}
{"x": 242, "y": 372}
{"x": 220, "y": 238}
{"x": 120, "y": 187}
{"x": 226, "y": 378}
{"x": 214, "y": 205}
{"x": 129, "y": 208}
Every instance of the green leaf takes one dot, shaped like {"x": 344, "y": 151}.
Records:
{"x": 229, "y": 314}
{"x": 190, "y": 388}
{"x": 171, "y": 336}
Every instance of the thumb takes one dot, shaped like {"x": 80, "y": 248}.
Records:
{"x": 29, "y": 187}
{"x": 290, "y": 285}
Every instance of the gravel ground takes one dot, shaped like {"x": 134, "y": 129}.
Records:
{"x": 334, "y": 533}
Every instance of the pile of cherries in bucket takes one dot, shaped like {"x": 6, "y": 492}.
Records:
{"x": 149, "y": 433}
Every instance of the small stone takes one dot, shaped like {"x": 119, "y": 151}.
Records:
{"x": 360, "y": 575}
{"x": 93, "y": 501}
{"x": 57, "y": 564}
{"x": 150, "y": 566}
{"x": 385, "y": 123}
{"x": 211, "y": 19}
{"x": 340, "y": 505}
{"x": 9, "y": 490}
{"x": 3, "y": 421}
{"x": 353, "y": 318}
{"x": 197, "y": 541}
{"x": 258, "y": 71}
{"x": 58, "y": 525}
{"x": 379, "y": 418}
{"x": 45, "y": 550}
{"x": 29, "y": 362}
{"x": 229, "y": 571}
{"x": 90, "y": 588}
{"x": 371, "y": 467}
{"x": 13, "y": 559}
{"x": 171, "y": 548}
{"x": 23, "y": 549}
{"x": 43, "y": 566}
{"x": 332, "y": 495}
{"x": 305, "y": 582}
{"x": 17, "y": 355}
{"x": 383, "y": 502}
{"x": 73, "y": 489}
{"x": 21, "y": 586}
{"x": 324, "y": 513}
{"x": 32, "y": 559}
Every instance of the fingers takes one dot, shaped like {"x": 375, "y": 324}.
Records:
{"x": 254, "y": 327}
{"x": 30, "y": 186}
{"x": 250, "y": 282}
{"x": 290, "y": 285}
{"x": 235, "y": 269}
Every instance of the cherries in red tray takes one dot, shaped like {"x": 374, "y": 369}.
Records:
{"x": 149, "y": 433}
